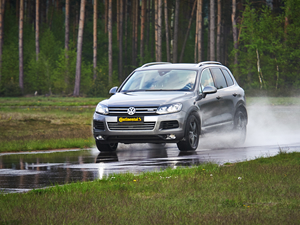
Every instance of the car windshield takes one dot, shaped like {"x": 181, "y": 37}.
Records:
{"x": 161, "y": 80}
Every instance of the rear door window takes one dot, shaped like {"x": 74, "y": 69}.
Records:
{"x": 228, "y": 77}
{"x": 219, "y": 78}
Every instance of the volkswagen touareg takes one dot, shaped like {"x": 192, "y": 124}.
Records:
{"x": 171, "y": 103}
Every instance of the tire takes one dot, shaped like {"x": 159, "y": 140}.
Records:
{"x": 110, "y": 147}
{"x": 240, "y": 127}
{"x": 191, "y": 135}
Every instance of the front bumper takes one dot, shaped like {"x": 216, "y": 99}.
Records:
{"x": 132, "y": 134}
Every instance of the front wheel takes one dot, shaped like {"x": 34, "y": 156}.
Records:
{"x": 240, "y": 127}
{"x": 110, "y": 147}
{"x": 191, "y": 135}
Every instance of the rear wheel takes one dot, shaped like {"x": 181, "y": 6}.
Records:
{"x": 110, "y": 147}
{"x": 191, "y": 136}
{"x": 240, "y": 127}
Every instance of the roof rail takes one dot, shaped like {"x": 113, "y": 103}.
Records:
{"x": 207, "y": 62}
{"x": 154, "y": 63}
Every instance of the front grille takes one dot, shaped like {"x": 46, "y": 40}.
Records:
{"x": 143, "y": 126}
{"x": 141, "y": 111}
{"x": 172, "y": 124}
{"x": 98, "y": 125}
{"x": 135, "y": 139}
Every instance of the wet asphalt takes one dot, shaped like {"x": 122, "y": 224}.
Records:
{"x": 270, "y": 130}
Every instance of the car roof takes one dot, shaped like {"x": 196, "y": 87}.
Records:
{"x": 167, "y": 65}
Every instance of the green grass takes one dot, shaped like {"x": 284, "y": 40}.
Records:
{"x": 41, "y": 128}
{"x": 31, "y": 145}
{"x": 262, "y": 191}
{"x": 284, "y": 101}
{"x": 49, "y": 101}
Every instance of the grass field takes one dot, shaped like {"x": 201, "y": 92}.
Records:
{"x": 285, "y": 101}
{"x": 49, "y": 101}
{"x": 40, "y": 123}
{"x": 263, "y": 191}
{"x": 40, "y": 128}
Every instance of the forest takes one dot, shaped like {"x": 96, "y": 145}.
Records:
{"x": 84, "y": 47}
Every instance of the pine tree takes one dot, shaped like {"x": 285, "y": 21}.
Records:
{"x": 37, "y": 43}
{"x": 234, "y": 30}
{"x": 143, "y": 20}
{"x": 67, "y": 31}
{"x": 95, "y": 41}
{"x": 1, "y": 35}
{"x": 109, "y": 28}
{"x": 212, "y": 30}
{"x": 21, "y": 71}
{"x": 121, "y": 41}
{"x": 219, "y": 32}
{"x": 167, "y": 30}
{"x": 175, "y": 44}
{"x": 198, "y": 33}
{"x": 79, "y": 49}
{"x": 188, "y": 31}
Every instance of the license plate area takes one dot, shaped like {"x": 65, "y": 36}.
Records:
{"x": 130, "y": 120}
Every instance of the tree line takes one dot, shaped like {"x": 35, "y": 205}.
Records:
{"x": 83, "y": 47}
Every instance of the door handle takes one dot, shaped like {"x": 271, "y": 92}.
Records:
{"x": 218, "y": 97}
{"x": 234, "y": 95}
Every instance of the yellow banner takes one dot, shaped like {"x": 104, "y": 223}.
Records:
{"x": 126, "y": 119}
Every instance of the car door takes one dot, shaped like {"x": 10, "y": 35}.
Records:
{"x": 209, "y": 104}
{"x": 225, "y": 96}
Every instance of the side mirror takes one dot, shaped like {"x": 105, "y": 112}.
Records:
{"x": 113, "y": 90}
{"x": 209, "y": 90}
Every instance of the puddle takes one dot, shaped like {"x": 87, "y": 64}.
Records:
{"x": 20, "y": 172}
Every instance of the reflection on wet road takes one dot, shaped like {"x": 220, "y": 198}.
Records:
{"x": 20, "y": 172}
{"x": 271, "y": 130}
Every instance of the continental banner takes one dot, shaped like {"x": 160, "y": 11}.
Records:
{"x": 138, "y": 119}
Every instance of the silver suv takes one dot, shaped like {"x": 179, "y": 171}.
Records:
{"x": 171, "y": 103}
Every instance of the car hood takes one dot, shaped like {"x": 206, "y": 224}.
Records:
{"x": 151, "y": 98}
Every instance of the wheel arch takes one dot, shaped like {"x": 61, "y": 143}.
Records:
{"x": 195, "y": 111}
{"x": 190, "y": 141}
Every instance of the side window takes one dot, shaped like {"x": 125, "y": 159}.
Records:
{"x": 206, "y": 79}
{"x": 219, "y": 78}
{"x": 228, "y": 77}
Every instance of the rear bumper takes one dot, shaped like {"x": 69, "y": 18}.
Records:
{"x": 132, "y": 134}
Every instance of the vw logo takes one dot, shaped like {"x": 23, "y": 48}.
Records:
{"x": 131, "y": 111}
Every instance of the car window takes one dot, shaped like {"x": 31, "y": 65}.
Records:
{"x": 228, "y": 77}
{"x": 219, "y": 78}
{"x": 135, "y": 83}
{"x": 161, "y": 80}
{"x": 206, "y": 80}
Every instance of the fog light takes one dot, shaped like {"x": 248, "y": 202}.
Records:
{"x": 99, "y": 137}
{"x": 171, "y": 136}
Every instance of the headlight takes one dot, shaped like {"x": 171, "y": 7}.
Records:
{"x": 103, "y": 109}
{"x": 169, "y": 108}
